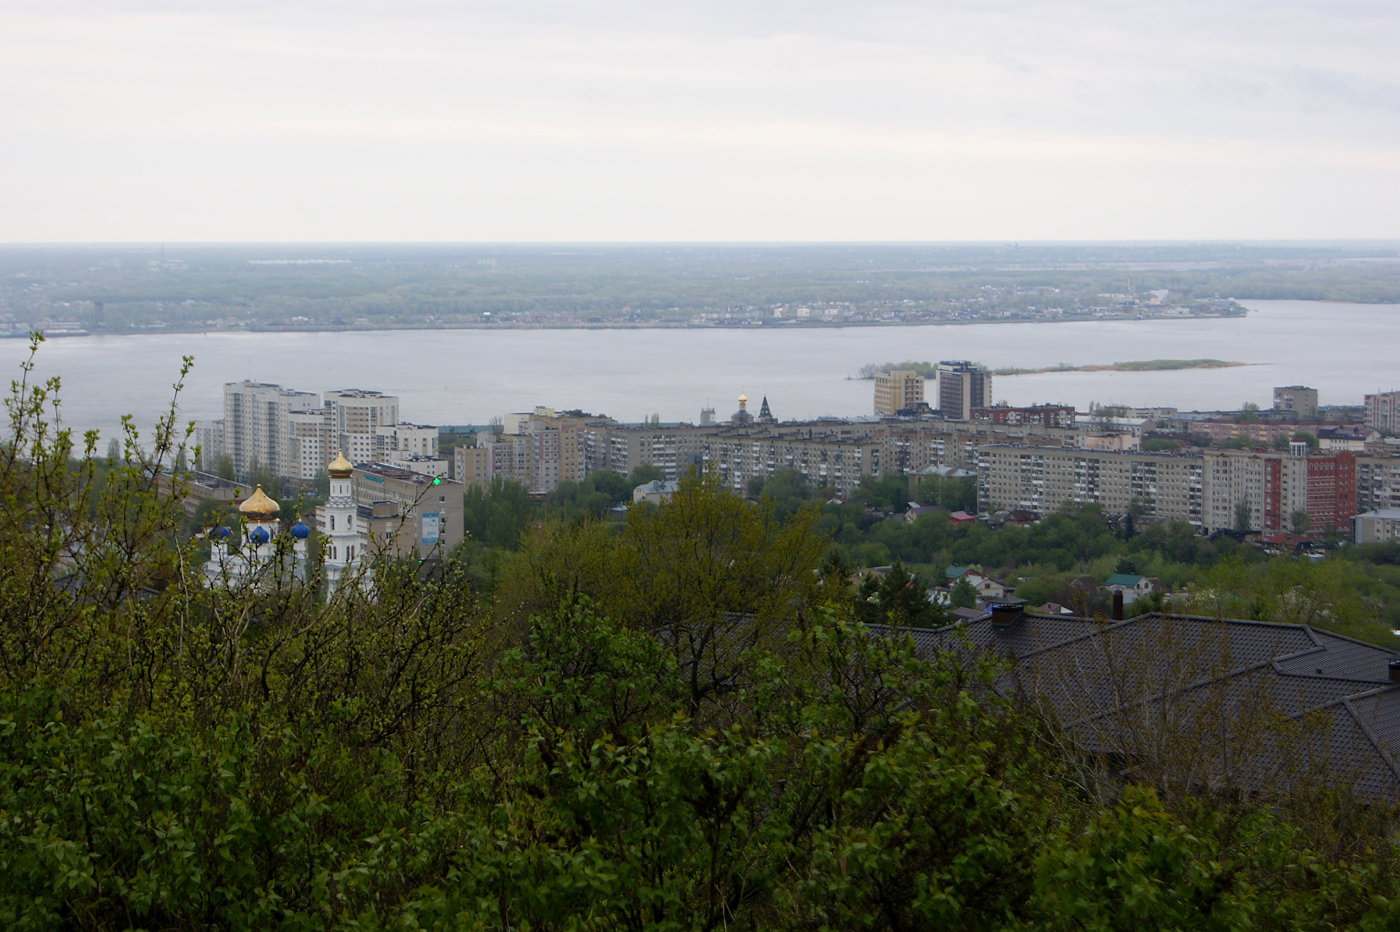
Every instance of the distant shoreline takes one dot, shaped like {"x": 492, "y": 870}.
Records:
{"x": 768, "y": 324}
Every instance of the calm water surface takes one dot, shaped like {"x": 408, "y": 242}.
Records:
{"x": 466, "y": 376}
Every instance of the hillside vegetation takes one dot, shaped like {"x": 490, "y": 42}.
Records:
{"x": 673, "y": 721}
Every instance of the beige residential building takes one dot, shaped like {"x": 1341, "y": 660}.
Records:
{"x": 1383, "y": 411}
{"x": 1299, "y": 399}
{"x": 1377, "y": 482}
{"x": 897, "y": 390}
{"x": 406, "y": 440}
{"x": 1240, "y": 479}
{"x": 355, "y": 418}
{"x": 1377, "y": 527}
{"x": 429, "y": 509}
{"x": 472, "y": 466}
{"x": 1041, "y": 479}
{"x": 308, "y": 447}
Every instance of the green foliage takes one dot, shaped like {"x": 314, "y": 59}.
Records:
{"x": 887, "y": 492}
{"x": 674, "y": 724}
{"x": 1331, "y": 594}
{"x": 953, "y": 494}
{"x": 963, "y": 594}
{"x": 644, "y": 473}
{"x": 1299, "y": 522}
{"x": 897, "y": 598}
{"x": 497, "y": 516}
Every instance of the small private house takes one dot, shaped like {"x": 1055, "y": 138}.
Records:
{"x": 1131, "y": 585}
{"x": 988, "y": 589}
{"x": 655, "y": 492}
{"x": 917, "y": 510}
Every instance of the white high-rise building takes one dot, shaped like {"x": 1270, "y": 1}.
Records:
{"x": 356, "y": 415}
{"x": 293, "y": 434}
{"x": 208, "y": 442}
{"x": 257, "y": 424}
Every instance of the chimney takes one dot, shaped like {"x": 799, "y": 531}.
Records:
{"x": 1007, "y": 613}
{"x": 1395, "y": 671}
{"x": 1117, "y": 604}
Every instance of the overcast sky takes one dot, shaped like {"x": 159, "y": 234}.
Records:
{"x": 746, "y": 120}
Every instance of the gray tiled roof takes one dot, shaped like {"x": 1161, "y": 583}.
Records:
{"x": 1103, "y": 679}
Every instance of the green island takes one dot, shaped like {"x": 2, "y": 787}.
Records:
{"x": 928, "y": 370}
{"x": 1139, "y": 365}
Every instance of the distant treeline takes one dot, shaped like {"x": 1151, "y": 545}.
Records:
{"x": 403, "y": 286}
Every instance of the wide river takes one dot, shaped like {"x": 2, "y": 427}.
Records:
{"x": 467, "y": 376}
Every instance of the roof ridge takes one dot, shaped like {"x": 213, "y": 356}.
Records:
{"x": 1383, "y": 751}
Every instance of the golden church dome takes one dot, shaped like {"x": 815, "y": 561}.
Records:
{"x": 340, "y": 467}
{"x": 743, "y": 399}
{"x": 259, "y": 507}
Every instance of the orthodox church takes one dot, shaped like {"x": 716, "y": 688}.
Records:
{"x": 343, "y": 534}
{"x": 269, "y": 553}
{"x": 742, "y": 417}
{"x": 259, "y": 559}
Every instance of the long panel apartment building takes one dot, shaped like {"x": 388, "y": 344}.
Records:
{"x": 1215, "y": 490}
{"x": 1153, "y": 485}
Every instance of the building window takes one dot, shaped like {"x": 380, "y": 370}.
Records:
{"x": 332, "y": 522}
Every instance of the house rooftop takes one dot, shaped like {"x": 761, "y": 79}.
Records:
{"x": 1207, "y": 667}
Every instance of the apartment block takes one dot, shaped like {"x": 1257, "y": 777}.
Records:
{"x": 256, "y": 426}
{"x": 897, "y": 390}
{"x": 1376, "y": 527}
{"x": 406, "y": 440}
{"x": 1043, "y": 415}
{"x": 355, "y": 418}
{"x": 1041, "y": 479}
{"x": 1377, "y": 482}
{"x": 472, "y": 466}
{"x": 1274, "y": 486}
{"x": 208, "y": 441}
{"x": 428, "y": 509}
{"x": 308, "y": 444}
{"x": 1297, "y": 399}
{"x": 1382, "y": 411}
{"x": 962, "y": 388}
{"x": 295, "y": 434}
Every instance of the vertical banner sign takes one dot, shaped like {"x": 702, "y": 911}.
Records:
{"x": 430, "y": 527}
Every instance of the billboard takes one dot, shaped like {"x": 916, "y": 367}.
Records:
{"x": 430, "y": 527}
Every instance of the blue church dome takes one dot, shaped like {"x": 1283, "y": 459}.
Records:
{"x": 300, "y": 531}
{"x": 258, "y": 535}
{"x": 218, "y": 532}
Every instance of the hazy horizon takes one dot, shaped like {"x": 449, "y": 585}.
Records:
{"x": 720, "y": 122}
